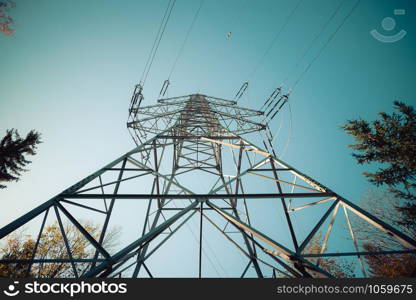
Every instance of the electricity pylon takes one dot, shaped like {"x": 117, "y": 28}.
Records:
{"x": 192, "y": 164}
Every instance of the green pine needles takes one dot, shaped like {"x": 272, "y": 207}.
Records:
{"x": 391, "y": 142}
{"x": 13, "y": 154}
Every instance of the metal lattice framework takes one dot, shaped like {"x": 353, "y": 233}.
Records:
{"x": 192, "y": 163}
{"x": 204, "y": 116}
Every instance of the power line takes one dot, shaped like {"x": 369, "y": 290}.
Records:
{"x": 251, "y": 75}
{"x": 160, "y": 38}
{"x": 289, "y": 138}
{"x": 317, "y": 36}
{"x": 331, "y": 37}
{"x": 288, "y": 18}
{"x": 203, "y": 250}
{"x": 156, "y": 43}
{"x": 278, "y": 129}
{"x": 186, "y": 37}
{"x": 219, "y": 53}
{"x": 236, "y": 19}
{"x": 307, "y": 49}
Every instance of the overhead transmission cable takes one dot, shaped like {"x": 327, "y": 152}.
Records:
{"x": 166, "y": 83}
{"x": 203, "y": 250}
{"x": 277, "y": 91}
{"x": 315, "y": 39}
{"x": 275, "y": 38}
{"x": 186, "y": 38}
{"x": 137, "y": 96}
{"x": 270, "y": 46}
{"x": 237, "y": 18}
{"x": 220, "y": 49}
{"x": 305, "y": 52}
{"x": 279, "y": 128}
{"x": 289, "y": 137}
{"x": 331, "y": 37}
{"x": 307, "y": 49}
{"x": 157, "y": 40}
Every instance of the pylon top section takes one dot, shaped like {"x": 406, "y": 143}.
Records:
{"x": 192, "y": 117}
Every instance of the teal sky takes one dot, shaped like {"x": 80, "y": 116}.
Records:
{"x": 70, "y": 67}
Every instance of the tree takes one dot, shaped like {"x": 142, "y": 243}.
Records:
{"x": 52, "y": 246}
{"x": 393, "y": 266}
{"x": 5, "y": 19}
{"x": 337, "y": 267}
{"x": 16, "y": 248}
{"x": 382, "y": 204}
{"x": 391, "y": 143}
{"x": 13, "y": 150}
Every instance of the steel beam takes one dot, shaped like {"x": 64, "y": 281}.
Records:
{"x": 282, "y": 251}
{"x": 144, "y": 239}
{"x": 198, "y": 196}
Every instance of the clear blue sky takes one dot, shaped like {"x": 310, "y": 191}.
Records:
{"x": 70, "y": 67}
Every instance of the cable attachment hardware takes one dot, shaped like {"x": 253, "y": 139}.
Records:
{"x": 136, "y": 99}
{"x": 241, "y": 90}
{"x": 272, "y": 97}
{"x": 284, "y": 100}
{"x": 164, "y": 88}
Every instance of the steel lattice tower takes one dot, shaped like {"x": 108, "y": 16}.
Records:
{"x": 192, "y": 161}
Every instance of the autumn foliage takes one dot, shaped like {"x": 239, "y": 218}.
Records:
{"x": 51, "y": 245}
{"x": 390, "y": 266}
{"x": 5, "y": 20}
{"x": 339, "y": 268}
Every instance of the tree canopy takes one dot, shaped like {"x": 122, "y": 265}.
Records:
{"x": 382, "y": 204}
{"x": 5, "y": 19}
{"x": 51, "y": 245}
{"x": 13, "y": 152}
{"x": 390, "y": 143}
{"x": 337, "y": 267}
